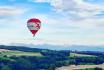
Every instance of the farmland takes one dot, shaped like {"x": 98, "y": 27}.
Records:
{"x": 23, "y": 58}
{"x": 80, "y": 55}
{"x": 19, "y": 53}
{"x": 81, "y": 67}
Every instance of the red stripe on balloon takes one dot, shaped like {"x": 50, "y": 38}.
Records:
{"x": 33, "y": 31}
{"x": 34, "y": 20}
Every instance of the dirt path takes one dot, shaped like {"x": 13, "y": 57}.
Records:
{"x": 73, "y": 67}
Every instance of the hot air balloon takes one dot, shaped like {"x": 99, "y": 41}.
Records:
{"x": 33, "y": 25}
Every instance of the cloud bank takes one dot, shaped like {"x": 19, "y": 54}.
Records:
{"x": 76, "y": 8}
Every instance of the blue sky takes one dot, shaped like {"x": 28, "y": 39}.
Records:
{"x": 79, "y": 22}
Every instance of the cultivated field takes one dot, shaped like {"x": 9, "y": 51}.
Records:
{"x": 18, "y": 53}
{"x": 78, "y": 67}
{"x": 80, "y": 55}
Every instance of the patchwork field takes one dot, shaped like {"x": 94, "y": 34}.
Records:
{"x": 80, "y": 55}
{"x": 80, "y": 67}
{"x": 18, "y": 53}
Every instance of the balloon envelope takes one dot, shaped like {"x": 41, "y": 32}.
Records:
{"x": 33, "y": 25}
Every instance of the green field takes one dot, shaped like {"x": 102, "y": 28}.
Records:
{"x": 20, "y": 53}
{"x": 80, "y": 55}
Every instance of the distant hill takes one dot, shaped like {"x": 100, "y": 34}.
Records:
{"x": 20, "y": 48}
{"x": 65, "y": 47}
{"x": 56, "y": 47}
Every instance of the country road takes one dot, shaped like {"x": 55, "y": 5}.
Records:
{"x": 73, "y": 67}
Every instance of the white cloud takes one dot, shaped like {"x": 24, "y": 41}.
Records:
{"x": 11, "y": 11}
{"x": 76, "y": 8}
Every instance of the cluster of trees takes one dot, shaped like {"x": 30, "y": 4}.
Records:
{"x": 99, "y": 59}
{"x": 96, "y": 53}
{"x": 50, "y": 60}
